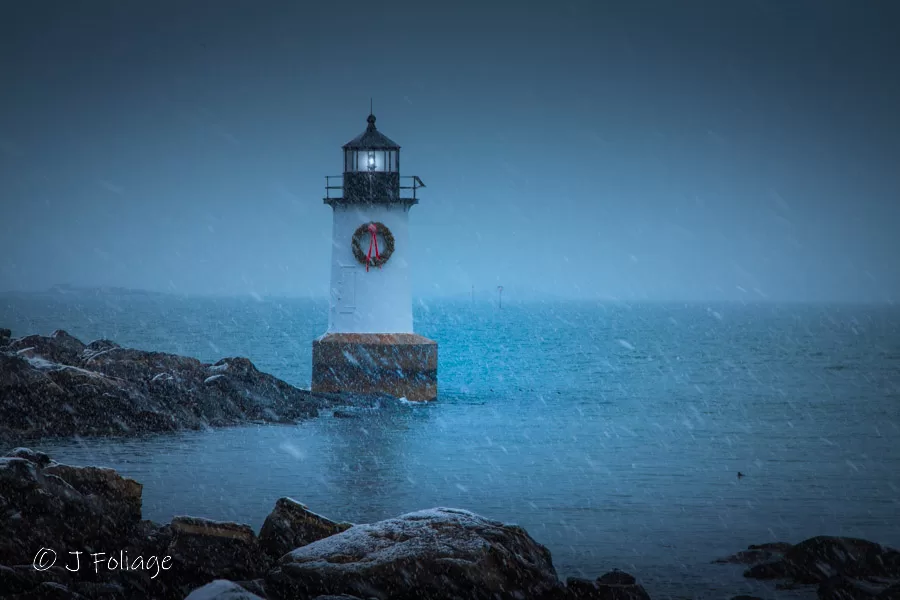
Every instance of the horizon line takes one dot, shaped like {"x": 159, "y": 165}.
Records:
{"x": 484, "y": 298}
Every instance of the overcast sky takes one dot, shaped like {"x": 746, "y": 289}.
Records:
{"x": 661, "y": 150}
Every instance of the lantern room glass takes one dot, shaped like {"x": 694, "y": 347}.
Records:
{"x": 362, "y": 160}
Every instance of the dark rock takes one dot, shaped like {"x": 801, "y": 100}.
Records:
{"x": 141, "y": 366}
{"x": 779, "y": 547}
{"x": 254, "y": 586}
{"x": 616, "y": 577}
{"x": 843, "y": 588}
{"x": 49, "y": 591}
{"x": 622, "y": 592}
{"x": 890, "y": 559}
{"x": 58, "y": 347}
{"x": 429, "y": 555}
{"x": 617, "y": 585}
{"x": 96, "y": 347}
{"x": 5, "y": 335}
{"x": 204, "y": 550}
{"x": 13, "y": 582}
{"x": 56, "y": 574}
{"x": 579, "y": 587}
{"x": 121, "y": 495}
{"x": 74, "y": 509}
{"x": 62, "y": 507}
{"x": 67, "y": 342}
{"x": 221, "y": 589}
{"x": 749, "y": 557}
{"x": 757, "y": 553}
{"x": 292, "y": 525}
{"x": 822, "y": 558}
{"x": 100, "y": 591}
{"x": 56, "y": 385}
{"x": 816, "y": 559}
{"x": 343, "y": 414}
{"x": 768, "y": 570}
{"x": 49, "y": 399}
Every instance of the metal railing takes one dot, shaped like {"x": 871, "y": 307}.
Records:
{"x": 336, "y": 182}
{"x": 329, "y": 186}
{"x": 416, "y": 184}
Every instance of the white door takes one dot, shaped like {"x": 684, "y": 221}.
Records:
{"x": 346, "y": 300}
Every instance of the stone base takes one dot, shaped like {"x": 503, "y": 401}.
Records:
{"x": 399, "y": 364}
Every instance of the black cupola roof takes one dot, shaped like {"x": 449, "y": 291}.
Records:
{"x": 371, "y": 139}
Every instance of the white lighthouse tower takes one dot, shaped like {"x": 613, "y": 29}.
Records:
{"x": 370, "y": 345}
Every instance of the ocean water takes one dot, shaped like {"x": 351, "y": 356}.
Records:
{"x": 613, "y": 433}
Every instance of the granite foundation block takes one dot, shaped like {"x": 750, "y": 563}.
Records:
{"x": 400, "y": 364}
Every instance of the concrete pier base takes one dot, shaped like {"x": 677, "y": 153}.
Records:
{"x": 399, "y": 364}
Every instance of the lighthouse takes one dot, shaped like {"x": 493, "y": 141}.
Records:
{"x": 370, "y": 345}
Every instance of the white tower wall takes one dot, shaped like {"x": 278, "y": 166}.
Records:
{"x": 379, "y": 301}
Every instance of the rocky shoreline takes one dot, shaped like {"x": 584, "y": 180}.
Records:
{"x": 85, "y": 524}
{"x": 441, "y": 553}
{"x": 840, "y": 568}
{"x": 77, "y": 533}
{"x": 57, "y": 385}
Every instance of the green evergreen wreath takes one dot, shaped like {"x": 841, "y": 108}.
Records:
{"x": 383, "y": 255}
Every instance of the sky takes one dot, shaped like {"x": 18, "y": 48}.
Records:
{"x": 632, "y": 150}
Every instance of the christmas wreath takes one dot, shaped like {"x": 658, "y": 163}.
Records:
{"x": 375, "y": 256}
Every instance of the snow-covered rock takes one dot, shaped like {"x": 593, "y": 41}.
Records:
{"x": 58, "y": 347}
{"x": 435, "y": 554}
{"x": 57, "y": 385}
{"x": 222, "y": 589}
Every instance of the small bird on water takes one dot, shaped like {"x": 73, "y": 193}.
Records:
{"x": 740, "y": 475}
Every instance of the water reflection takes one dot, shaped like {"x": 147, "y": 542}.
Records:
{"x": 368, "y": 464}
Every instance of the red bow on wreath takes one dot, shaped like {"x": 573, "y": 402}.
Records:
{"x": 373, "y": 243}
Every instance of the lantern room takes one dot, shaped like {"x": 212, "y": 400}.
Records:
{"x": 371, "y": 151}
{"x": 372, "y": 173}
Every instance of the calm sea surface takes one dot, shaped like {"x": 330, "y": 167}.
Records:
{"x": 613, "y": 433}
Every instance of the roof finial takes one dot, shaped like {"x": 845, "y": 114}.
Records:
{"x": 371, "y": 119}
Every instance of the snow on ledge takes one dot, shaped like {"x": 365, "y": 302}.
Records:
{"x": 407, "y": 536}
{"x": 221, "y": 589}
